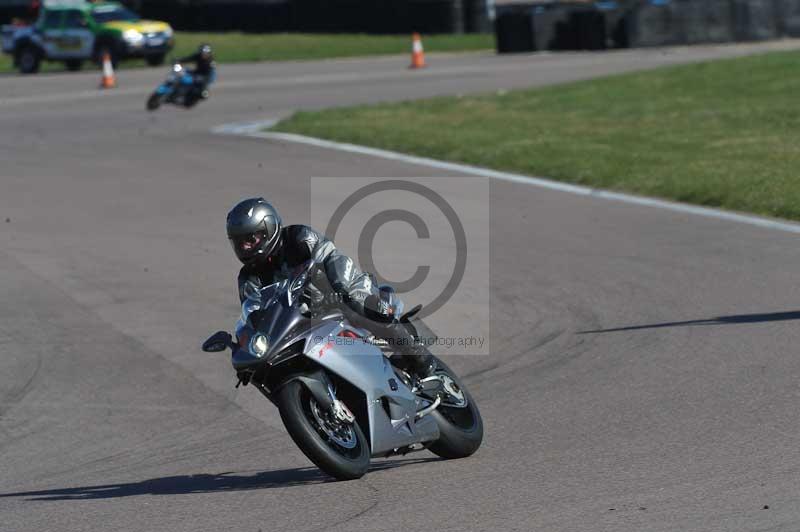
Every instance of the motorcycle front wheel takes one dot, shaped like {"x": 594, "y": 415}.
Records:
{"x": 337, "y": 448}
{"x": 191, "y": 100}
{"x": 154, "y": 102}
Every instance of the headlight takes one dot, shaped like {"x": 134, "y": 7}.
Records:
{"x": 132, "y": 36}
{"x": 259, "y": 345}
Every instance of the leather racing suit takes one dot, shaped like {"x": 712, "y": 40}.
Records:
{"x": 343, "y": 280}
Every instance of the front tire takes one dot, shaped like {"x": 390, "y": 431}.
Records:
{"x": 191, "y": 100}
{"x": 154, "y": 102}
{"x": 460, "y": 429}
{"x": 301, "y": 416}
{"x": 29, "y": 60}
{"x": 74, "y": 65}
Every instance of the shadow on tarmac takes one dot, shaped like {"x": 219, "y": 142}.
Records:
{"x": 202, "y": 483}
{"x": 719, "y": 320}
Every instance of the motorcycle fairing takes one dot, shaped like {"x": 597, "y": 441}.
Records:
{"x": 391, "y": 412}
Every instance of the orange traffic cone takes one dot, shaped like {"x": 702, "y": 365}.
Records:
{"x": 109, "y": 80}
{"x": 417, "y": 53}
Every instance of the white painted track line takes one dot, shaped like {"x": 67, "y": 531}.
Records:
{"x": 256, "y": 130}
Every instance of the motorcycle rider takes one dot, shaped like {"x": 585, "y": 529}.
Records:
{"x": 269, "y": 251}
{"x": 205, "y": 70}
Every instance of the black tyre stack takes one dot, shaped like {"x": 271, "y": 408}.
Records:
{"x": 535, "y": 26}
{"x": 789, "y": 18}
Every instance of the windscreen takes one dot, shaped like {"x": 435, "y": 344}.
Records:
{"x": 257, "y": 300}
{"x": 273, "y": 299}
{"x": 104, "y": 14}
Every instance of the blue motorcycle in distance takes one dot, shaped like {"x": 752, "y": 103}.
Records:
{"x": 179, "y": 88}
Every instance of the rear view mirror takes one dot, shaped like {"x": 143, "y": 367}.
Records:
{"x": 410, "y": 314}
{"x": 217, "y": 342}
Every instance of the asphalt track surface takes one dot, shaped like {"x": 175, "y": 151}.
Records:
{"x": 643, "y": 374}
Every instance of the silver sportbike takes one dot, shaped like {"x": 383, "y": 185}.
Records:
{"x": 340, "y": 397}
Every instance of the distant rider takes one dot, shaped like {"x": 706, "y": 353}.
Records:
{"x": 269, "y": 252}
{"x": 205, "y": 70}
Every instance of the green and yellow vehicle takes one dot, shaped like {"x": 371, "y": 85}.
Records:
{"x": 74, "y": 31}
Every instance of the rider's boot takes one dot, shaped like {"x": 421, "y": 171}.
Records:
{"x": 412, "y": 355}
{"x": 421, "y": 361}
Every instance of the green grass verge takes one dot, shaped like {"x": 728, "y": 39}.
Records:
{"x": 241, "y": 47}
{"x": 723, "y": 133}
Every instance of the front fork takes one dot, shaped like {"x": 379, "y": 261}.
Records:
{"x": 321, "y": 389}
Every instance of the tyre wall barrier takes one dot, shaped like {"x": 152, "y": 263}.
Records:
{"x": 514, "y": 31}
{"x": 709, "y": 21}
{"x": 585, "y": 30}
{"x": 554, "y": 26}
{"x": 788, "y": 15}
{"x": 754, "y": 20}
{"x": 650, "y": 24}
{"x": 550, "y": 27}
{"x": 476, "y": 16}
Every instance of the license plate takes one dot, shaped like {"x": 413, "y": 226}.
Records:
{"x": 158, "y": 41}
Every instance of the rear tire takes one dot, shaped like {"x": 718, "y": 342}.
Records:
{"x": 74, "y": 65}
{"x": 460, "y": 429}
{"x": 295, "y": 403}
{"x": 29, "y": 60}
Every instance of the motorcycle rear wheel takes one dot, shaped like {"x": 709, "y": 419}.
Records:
{"x": 460, "y": 429}
{"x": 343, "y": 455}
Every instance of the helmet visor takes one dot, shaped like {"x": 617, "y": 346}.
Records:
{"x": 248, "y": 246}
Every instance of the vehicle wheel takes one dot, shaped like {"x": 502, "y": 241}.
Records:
{"x": 74, "y": 65}
{"x": 154, "y": 101}
{"x": 338, "y": 449}
{"x": 28, "y": 60}
{"x": 191, "y": 100}
{"x": 155, "y": 60}
{"x": 460, "y": 428}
